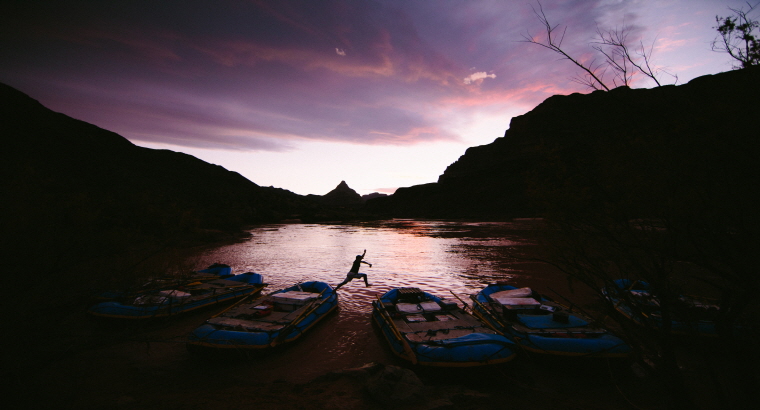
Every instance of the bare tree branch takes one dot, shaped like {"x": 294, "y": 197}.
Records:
{"x": 613, "y": 45}
{"x": 618, "y": 58}
{"x": 592, "y": 80}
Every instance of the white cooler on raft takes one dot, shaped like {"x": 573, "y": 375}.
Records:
{"x": 292, "y": 300}
{"x": 516, "y": 298}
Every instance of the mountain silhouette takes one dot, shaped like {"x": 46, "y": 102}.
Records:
{"x": 77, "y": 187}
{"x": 708, "y": 123}
{"x": 342, "y": 195}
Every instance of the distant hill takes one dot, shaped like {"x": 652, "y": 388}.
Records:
{"x": 373, "y": 196}
{"x": 712, "y": 118}
{"x": 59, "y": 157}
{"x": 344, "y": 197}
{"x": 73, "y": 184}
{"x": 341, "y": 196}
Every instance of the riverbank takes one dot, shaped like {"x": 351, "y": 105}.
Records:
{"x": 56, "y": 356}
{"x": 86, "y": 363}
{"x": 79, "y": 362}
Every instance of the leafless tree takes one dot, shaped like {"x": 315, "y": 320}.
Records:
{"x": 617, "y": 57}
{"x": 592, "y": 78}
{"x": 612, "y": 44}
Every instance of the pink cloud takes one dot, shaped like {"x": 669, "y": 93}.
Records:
{"x": 388, "y": 191}
{"x": 263, "y": 75}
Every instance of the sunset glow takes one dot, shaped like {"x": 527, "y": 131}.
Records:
{"x": 301, "y": 95}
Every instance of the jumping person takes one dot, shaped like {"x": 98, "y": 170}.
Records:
{"x": 354, "y": 272}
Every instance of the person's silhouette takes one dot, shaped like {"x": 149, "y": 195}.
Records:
{"x": 354, "y": 272}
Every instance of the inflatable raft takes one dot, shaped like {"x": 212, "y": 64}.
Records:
{"x": 277, "y": 318}
{"x": 634, "y": 299}
{"x": 540, "y": 325}
{"x": 429, "y": 331}
{"x": 173, "y": 301}
{"x": 168, "y": 282}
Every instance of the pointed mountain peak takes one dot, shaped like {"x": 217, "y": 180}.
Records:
{"x": 342, "y": 186}
{"x": 342, "y": 195}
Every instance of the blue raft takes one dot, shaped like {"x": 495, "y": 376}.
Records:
{"x": 540, "y": 325}
{"x": 215, "y": 271}
{"x": 426, "y": 330}
{"x": 173, "y": 301}
{"x": 633, "y": 299}
{"x": 280, "y": 317}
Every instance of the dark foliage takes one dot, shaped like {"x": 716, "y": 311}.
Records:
{"x": 738, "y": 37}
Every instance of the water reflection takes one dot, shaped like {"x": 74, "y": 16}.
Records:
{"x": 436, "y": 256}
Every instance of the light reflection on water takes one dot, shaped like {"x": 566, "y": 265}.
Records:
{"x": 435, "y": 256}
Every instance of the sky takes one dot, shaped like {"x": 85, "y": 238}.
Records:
{"x": 302, "y": 95}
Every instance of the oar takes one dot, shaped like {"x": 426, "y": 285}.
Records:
{"x": 312, "y": 306}
{"x": 392, "y": 327}
{"x": 460, "y": 299}
{"x": 485, "y": 311}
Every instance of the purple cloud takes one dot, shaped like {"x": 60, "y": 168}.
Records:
{"x": 262, "y": 75}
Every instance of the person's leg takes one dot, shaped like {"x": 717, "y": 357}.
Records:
{"x": 348, "y": 279}
{"x": 364, "y": 276}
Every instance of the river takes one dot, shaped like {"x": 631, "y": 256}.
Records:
{"x": 449, "y": 259}
{"x": 147, "y": 365}
{"x": 436, "y": 256}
